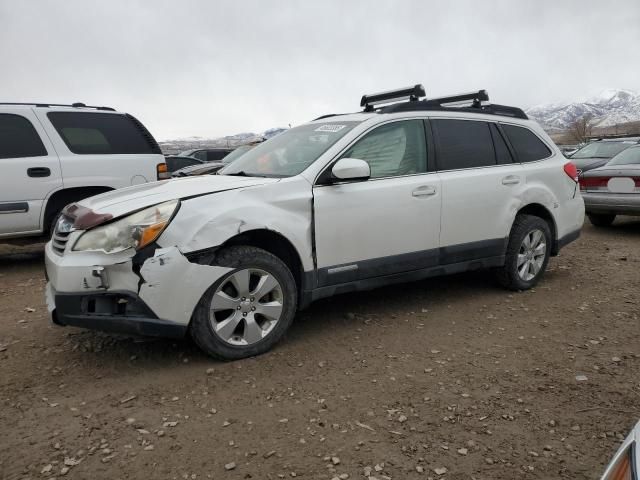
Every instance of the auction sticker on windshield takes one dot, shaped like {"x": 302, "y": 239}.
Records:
{"x": 330, "y": 127}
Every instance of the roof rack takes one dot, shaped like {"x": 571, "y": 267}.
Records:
{"x": 409, "y": 93}
{"x": 45, "y": 105}
{"x": 466, "y": 102}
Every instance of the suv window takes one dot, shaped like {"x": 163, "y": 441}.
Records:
{"x": 18, "y": 138}
{"x": 463, "y": 144}
{"x": 527, "y": 145}
{"x": 503, "y": 156}
{"x": 394, "y": 149}
{"x": 102, "y": 133}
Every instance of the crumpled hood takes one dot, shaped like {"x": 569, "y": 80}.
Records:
{"x": 129, "y": 199}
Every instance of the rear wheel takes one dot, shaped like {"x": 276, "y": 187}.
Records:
{"x": 527, "y": 253}
{"x": 601, "y": 219}
{"x": 247, "y": 311}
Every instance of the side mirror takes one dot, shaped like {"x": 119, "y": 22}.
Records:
{"x": 351, "y": 169}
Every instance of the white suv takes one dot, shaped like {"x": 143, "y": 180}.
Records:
{"x": 52, "y": 155}
{"x": 346, "y": 202}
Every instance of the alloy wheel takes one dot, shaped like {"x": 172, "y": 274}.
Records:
{"x": 246, "y": 307}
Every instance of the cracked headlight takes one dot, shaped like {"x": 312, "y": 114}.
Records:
{"x": 134, "y": 231}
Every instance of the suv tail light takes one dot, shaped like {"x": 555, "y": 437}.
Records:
{"x": 163, "y": 172}
{"x": 571, "y": 170}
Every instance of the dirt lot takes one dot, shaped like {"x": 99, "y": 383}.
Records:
{"x": 448, "y": 378}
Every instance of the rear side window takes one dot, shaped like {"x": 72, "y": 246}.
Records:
{"x": 463, "y": 144}
{"x": 87, "y": 133}
{"x": 18, "y": 138}
{"x": 527, "y": 145}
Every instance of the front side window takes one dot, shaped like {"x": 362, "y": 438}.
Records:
{"x": 291, "y": 152}
{"x": 88, "y": 133}
{"x": 527, "y": 145}
{"x": 463, "y": 144}
{"x": 18, "y": 138}
{"x": 394, "y": 149}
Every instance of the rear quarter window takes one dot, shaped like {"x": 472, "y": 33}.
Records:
{"x": 18, "y": 138}
{"x": 526, "y": 144}
{"x": 87, "y": 133}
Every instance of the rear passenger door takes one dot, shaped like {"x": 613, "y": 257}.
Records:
{"x": 29, "y": 171}
{"x": 480, "y": 185}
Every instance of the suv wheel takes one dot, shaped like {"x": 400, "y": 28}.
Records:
{"x": 601, "y": 220}
{"x": 246, "y": 312}
{"x": 527, "y": 253}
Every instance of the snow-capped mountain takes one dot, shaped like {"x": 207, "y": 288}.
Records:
{"x": 175, "y": 146}
{"x": 610, "y": 107}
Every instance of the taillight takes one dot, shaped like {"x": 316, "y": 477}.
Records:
{"x": 587, "y": 183}
{"x": 571, "y": 170}
{"x": 163, "y": 172}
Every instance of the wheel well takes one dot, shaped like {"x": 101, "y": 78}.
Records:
{"x": 275, "y": 244}
{"x": 538, "y": 210}
{"x": 61, "y": 198}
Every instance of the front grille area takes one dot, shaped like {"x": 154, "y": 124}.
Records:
{"x": 61, "y": 232}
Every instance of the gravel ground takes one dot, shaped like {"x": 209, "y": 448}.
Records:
{"x": 450, "y": 378}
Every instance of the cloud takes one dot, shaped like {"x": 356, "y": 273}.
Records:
{"x": 214, "y": 68}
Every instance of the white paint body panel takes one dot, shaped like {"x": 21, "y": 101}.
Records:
{"x": 375, "y": 219}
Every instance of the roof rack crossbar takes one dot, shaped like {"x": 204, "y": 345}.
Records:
{"x": 475, "y": 97}
{"x": 408, "y": 93}
{"x": 45, "y": 105}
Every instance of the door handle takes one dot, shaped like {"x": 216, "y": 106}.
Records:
{"x": 424, "y": 191}
{"x": 511, "y": 180}
{"x": 38, "y": 172}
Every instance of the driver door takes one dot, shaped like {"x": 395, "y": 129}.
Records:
{"x": 387, "y": 224}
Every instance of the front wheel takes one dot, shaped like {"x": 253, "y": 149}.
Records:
{"x": 248, "y": 310}
{"x": 600, "y": 219}
{"x": 527, "y": 253}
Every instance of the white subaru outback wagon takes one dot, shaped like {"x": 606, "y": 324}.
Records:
{"x": 404, "y": 190}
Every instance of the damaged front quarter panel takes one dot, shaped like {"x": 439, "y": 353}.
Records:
{"x": 172, "y": 286}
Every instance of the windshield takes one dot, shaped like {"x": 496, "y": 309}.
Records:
{"x": 629, "y": 157}
{"x": 601, "y": 150}
{"x": 289, "y": 153}
{"x": 236, "y": 153}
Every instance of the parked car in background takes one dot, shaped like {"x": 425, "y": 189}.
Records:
{"x": 176, "y": 162}
{"x": 599, "y": 152}
{"x": 344, "y": 203}
{"x": 207, "y": 154}
{"x": 613, "y": 189}
{"x": 208, "y": 168}
{"x": 53, "y": 155}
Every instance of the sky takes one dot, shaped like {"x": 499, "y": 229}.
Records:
{"x": 213, "y": 68}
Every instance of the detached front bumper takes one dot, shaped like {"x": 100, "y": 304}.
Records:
{"x": 612, "y": 203}
{"x": 155, "y": 297}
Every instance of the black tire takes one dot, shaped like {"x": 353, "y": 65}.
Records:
{"x": 238, "y": 258}
{"x": 601, "y": 219}
{"x": 508, "y": 275}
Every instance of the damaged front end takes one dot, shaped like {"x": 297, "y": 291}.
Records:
{"x": 127, "y": 295}
{"x": 147, "y": 290}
